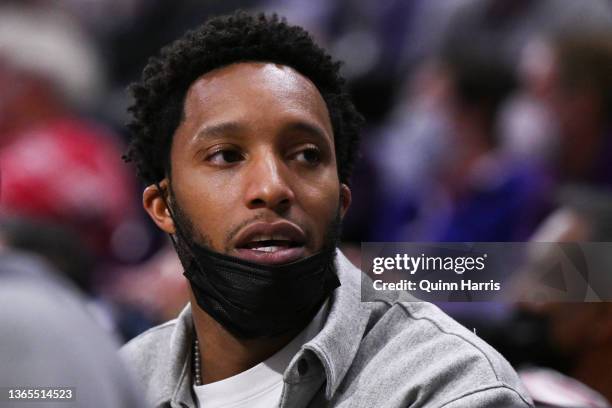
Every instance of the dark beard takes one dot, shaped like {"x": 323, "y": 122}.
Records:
{"x": 259, "y": 316}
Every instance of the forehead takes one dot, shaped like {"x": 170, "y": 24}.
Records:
{"x": 255, "y": 90}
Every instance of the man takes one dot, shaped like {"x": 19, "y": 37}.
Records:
{"x": 246, "y": 138}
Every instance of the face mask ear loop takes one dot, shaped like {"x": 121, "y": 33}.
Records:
{"x": 179, "y": 232}
{"x": 181, "y": 236}
{"x": 176, "y": 226}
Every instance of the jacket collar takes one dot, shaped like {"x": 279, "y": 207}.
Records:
{"x": 338, "y": 341}
{"x": 179, "y": 390}
{"x": 335, "y": 346}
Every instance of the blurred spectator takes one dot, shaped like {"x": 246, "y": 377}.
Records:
{"x": 69, "y": 172}
{"x": 65, "y": 193}
{"x": 492, "y": 196}
{"x": 554, "y": 115}
{"x": 480, "y": 193}
{"x": 511, "y": 33}
{"x": 563, "y": 350}
{"x": 49, "y": 340}
{"x": 58, "y": 246}
{"x": 480, "y": 163}
{"x": 528, "y": 128}
{"x": 502, "y": 28}
{"x": 69, "y": 257}
{"x": 580, "y": 96}
{"x": 47, "y": 63}
{"x": 578, "y": 335}
{"x": 410, "y": 153}
{"x": 57, "y": 166}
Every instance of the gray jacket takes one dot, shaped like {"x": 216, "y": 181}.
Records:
{"x": 377, "y": 354}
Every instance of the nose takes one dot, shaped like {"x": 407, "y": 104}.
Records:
{"x": 267, "y": 185}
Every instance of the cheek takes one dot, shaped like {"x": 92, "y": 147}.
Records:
{"x": 320, "y": 204}
{"x": 209, "y": 204}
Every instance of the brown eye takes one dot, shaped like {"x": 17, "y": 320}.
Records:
{"x": 225, "y": 156}
{"x": 310, "y": 156}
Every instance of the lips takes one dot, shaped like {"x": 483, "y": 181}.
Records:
{"x": 271, "y": 243}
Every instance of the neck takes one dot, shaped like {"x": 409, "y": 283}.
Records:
{"x": 222, "y": 355}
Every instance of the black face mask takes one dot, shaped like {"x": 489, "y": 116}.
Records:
{"x": 252, "y": 300}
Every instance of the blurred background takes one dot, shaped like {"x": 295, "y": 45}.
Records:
{"x": 487, "y": 120}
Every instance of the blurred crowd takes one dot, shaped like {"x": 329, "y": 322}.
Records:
{"x": 479, "y": 113}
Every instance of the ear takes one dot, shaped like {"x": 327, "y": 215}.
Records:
{"x": 155, "y": 205}
{"x": 345, "y": 199}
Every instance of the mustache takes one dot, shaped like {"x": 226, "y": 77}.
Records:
{"x": 231, "y": 235}
{"x": 331, "y": 238}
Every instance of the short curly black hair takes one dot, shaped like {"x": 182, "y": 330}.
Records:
{"x": 239, "y": 37}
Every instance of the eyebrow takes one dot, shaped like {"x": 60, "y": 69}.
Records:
{"x": 220, "y": 129}
{"x": 235, "y": 128}
{"x": 314, "y": 130}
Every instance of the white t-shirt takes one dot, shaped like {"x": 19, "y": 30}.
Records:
{"x": 259, "y": 386}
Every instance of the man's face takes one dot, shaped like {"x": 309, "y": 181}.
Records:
{"x": 253, "y": 165}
